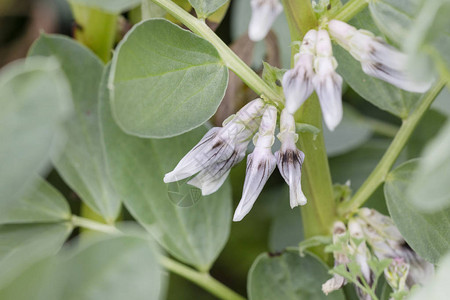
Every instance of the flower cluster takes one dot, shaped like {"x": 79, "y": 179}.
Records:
{"x": 223, "y": 147}
{"x": 314, "y": 68}
{"x": 371, "y": 238}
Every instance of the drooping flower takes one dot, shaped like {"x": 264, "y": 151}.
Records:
{"x": 387, "y": 242}
{"x": 260, "y": 164}
{"x": 378, "y": 59}
{"x": 340, "y": 258}
{"x": 290, "y": 159}
{"x": 362, "y": 255}
{"x": 327, "y": 83}
{"x": 297, "y": 82}
{"x": 264, "y": 13}
{"x": 219, "y": 150}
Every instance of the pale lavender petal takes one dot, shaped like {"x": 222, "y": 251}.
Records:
{"x": 264, "y": 13}
{"x": 194, "y": 160}
{"x": 260, "y": 165}
{"x": 329, "y": 91}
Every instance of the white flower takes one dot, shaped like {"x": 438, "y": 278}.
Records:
{"x": 264, "y": 13}
{"x": 337, "y": 281}
{"x": 297, "y": 82}
{"x": 387, "y": 242}
{"x": 377, "y": 58}
{"x": 290, "y": 159}
{"x": 260, "y": 164}
{"x": 361, "y": 251}
{"x": 219, "y": 150}
{"x": 327, "y": 83}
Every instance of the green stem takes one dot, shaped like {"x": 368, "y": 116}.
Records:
{"x": 319, "y": 213}
{"x": 350, "y": 9}
{"x": 230, "y": 58}
{"x": 299, "y": 26}
{"x": 201, "y": 279}
{"x": 378, "y": 175}
{"x": 93, "y": 225}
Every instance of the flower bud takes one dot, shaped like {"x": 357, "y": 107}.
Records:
{"x": 260, "y": 164}
{"x": 264, "y": 13}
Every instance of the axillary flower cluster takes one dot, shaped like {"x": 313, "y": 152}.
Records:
{"x": 368, "y": 239}
{"x": 314, "y": 69}
{"x": 224, "y": 147}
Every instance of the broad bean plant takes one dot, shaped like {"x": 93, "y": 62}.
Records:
{"x": 159, "y": 127}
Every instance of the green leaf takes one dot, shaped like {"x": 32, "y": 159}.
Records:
{"x": 165, "y": 80}
{"x": 288, "y": 276}
{"x": 427, "y": 129}
{"x": 430, "y": 189}
{"x": 429, "y": 40}
{"x": 109, "y": 268}
{"x": 206, "y": 7}
{"x": 82, "y": 164}
{"x": 136, "y": 166}
{"x": 438, "y": 288}
{"x": 427, "y": 234}
{"x": 22, "y": 245}
{"x": 394, "y": 18}
{"x": 442, "y": 102}
{"x": 351, "y": 133}
{"x": 109, "y": 6}
{"x": 43, "y": 203}
{"x": 35, "y": 101}
{"x": 379, "y": 93}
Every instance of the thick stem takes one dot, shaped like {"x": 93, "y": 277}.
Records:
{"x": 299, "y": 26}
{"x": 319, "y": 213}
{"x": 230, "y": 58}
{"x": 201, "y": 279}
{"x": 350, "y": 9}
{"x": 378, "y": 175}
{"x": 95, "y": 29}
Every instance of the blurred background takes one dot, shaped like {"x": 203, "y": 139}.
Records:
{"x": 354, "y": 149}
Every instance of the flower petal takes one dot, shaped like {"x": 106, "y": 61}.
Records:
{"x": 264, "y": 13}
{"x": 329, "y": 91}
{"x": 210, "y": 179}
{"x": 297, "y": 83}
{"x": 194, "y": 160}
{"x": 260, "y": 165}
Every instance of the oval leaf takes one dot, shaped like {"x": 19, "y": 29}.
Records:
{"x": 194, "y": 234}
{"x": 394, "y": 18}
{"x": 43, "y": 203}
{"x": 112, "y": 268}
{"x": 430, "y": 190}
{"x": 166, "y": 80}
{"x": 35, "y": 101}
{"x": 23, "y": 244}
{"x": 427, "y": 234}
{"x": 82, "y": 163}
{"x": 288, "y": 276}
